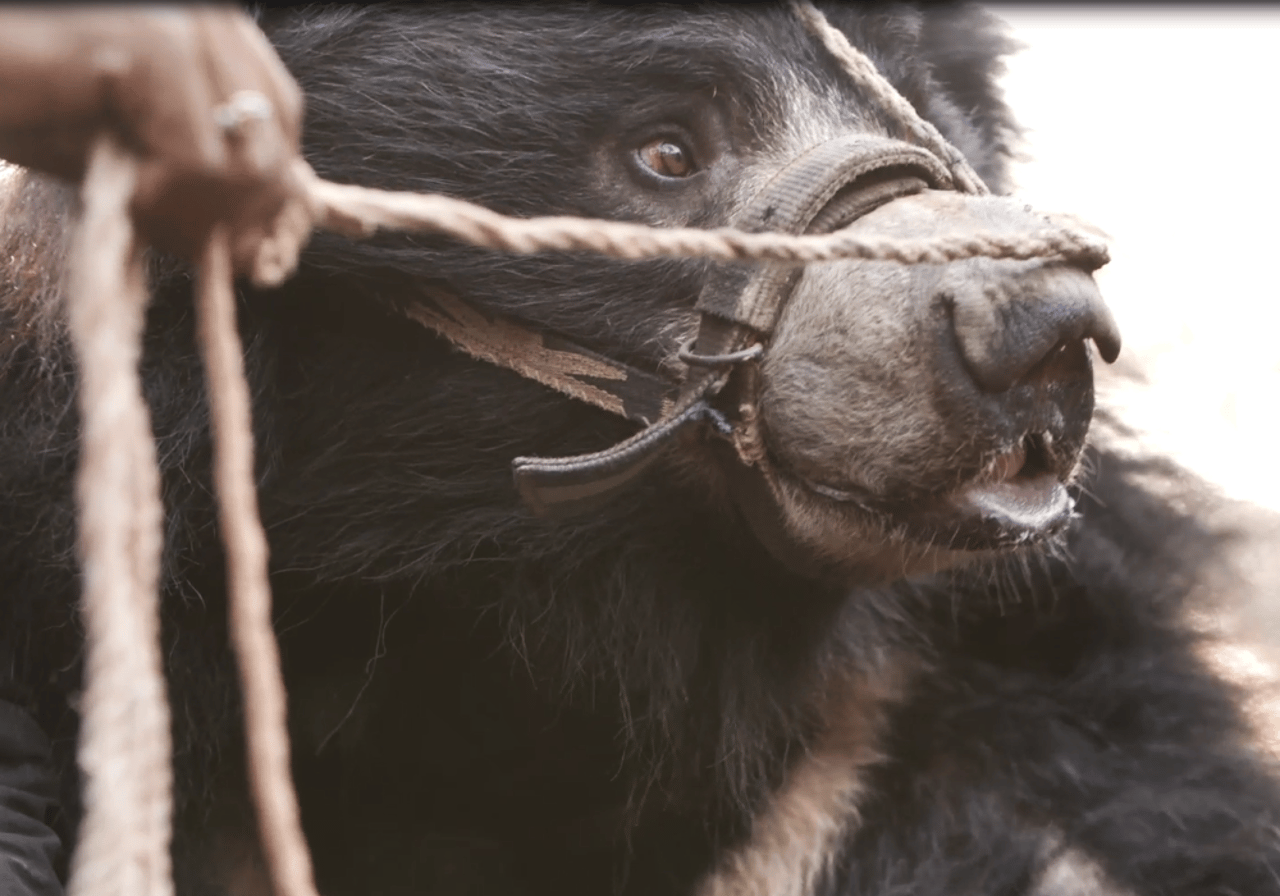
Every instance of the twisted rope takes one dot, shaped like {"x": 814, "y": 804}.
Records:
{"x": 265, "y": 701}
{"x": 863, "y": 71}
{"x": 361, "y": 212}
{"x": 125, "y": 749}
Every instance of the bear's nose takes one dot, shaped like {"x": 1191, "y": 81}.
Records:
{"x": 1007, "y": 324}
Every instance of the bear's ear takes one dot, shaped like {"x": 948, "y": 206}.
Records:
{"x": 965, "y": 47}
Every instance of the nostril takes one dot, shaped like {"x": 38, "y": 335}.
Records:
{"x": 1005, "y": 326}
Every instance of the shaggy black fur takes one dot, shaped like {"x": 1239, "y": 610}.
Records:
{"x": 484, "y": 702}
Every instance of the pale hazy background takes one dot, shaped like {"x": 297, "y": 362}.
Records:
{"x": 1162, "y": 127}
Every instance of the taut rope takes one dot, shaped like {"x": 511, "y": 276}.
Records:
{"x": 125, "y": 749}
{"x": 360, "y": 212}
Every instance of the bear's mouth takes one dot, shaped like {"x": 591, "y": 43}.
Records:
{"x": 1020, "y": 497}
{"x": 1020, "y": 494}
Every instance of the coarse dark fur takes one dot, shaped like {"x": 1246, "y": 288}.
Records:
{"x": 486, "y": 702}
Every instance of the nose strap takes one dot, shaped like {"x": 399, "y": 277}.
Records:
{"x": 863, "y": 170}
{"x": 825, "y": 188}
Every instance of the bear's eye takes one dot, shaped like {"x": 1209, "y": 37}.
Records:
{"x": 666, "y": 157}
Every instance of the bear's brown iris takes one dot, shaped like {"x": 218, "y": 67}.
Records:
{"x": 667, "y": 158}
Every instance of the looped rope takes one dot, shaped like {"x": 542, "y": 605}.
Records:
{"x": 125, "y": 749}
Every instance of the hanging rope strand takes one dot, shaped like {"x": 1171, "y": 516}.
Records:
{"x": 125, "y": 749}
{"x": 248, "y": 591}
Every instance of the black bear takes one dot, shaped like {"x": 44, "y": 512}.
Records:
{"x": 912, "y": 636}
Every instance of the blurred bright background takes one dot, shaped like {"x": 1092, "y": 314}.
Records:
{"x": 1161, "y": 125}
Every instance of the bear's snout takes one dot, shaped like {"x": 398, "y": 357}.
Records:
{"x": 905, "y": 390}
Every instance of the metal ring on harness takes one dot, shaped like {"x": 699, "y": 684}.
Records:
{"x": 693, "y": 359}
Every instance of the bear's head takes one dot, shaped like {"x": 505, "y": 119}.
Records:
{"x": 896, "y": 418}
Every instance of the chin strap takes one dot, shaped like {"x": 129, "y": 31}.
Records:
{"x": 824, "y": 189}
{"x": 546, "y": 358}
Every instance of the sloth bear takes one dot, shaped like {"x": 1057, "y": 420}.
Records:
{"x": 940, "y": 645}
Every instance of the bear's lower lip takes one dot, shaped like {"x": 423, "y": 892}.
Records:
{"x": 1008, "y": 510}
{"x": 1019, "y": 508}
{"x": 1013, "y": 502}
{"x": 1016, "y": 496}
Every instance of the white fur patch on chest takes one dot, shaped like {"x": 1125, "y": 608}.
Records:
{"x": 796, "y": 838}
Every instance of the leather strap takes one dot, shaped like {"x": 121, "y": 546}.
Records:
{"x": 753, "y": 295}
{"x": 546, "y": 358}
{"x": 827, "y": 187}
